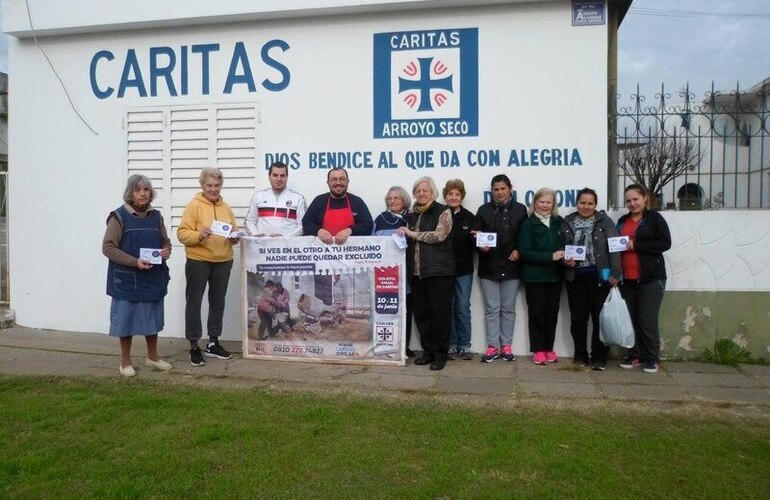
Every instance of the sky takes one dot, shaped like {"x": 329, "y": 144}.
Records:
{"x": 695, "y": 41}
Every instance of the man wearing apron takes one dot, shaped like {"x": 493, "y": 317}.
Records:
{"x": 334, "y": 217}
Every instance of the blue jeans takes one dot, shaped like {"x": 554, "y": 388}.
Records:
{"x": 499, "y": 310}
{"x": 460, "y": 334}
{"x": 643, "y": 301}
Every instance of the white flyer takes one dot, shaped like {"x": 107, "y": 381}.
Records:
{"x": 151, "y": 255}
{"x": 618, "y": 243}
{"x": 486, "y": 239}
{"x": 400, "y": 240}
{"x": 575, "y": 252}
{"x": 221, "y": 228}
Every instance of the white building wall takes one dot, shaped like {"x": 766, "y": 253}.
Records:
{"x": 542, "y": 85}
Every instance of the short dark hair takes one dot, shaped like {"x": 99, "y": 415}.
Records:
{"x": 637, "y": 187}
{"x": 501, "y": 178}
{"x": 278, "y": 164}
{"x": 587, "y": 190}
{"x": 329, "y": 173}
{"x": 454, "y": 184}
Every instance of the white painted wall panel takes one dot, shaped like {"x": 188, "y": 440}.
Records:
{"x": 542, "y": 84}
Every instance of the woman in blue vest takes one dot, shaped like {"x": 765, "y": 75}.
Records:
{"x": 397, "y": 202}
{"x": 137, "y": 286}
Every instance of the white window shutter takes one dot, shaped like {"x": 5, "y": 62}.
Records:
{"x": 171, "y": 144}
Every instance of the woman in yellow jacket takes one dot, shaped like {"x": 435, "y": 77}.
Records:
{"x": 209, "y": 261}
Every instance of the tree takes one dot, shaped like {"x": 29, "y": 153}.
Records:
{"x": 659, "y": 161}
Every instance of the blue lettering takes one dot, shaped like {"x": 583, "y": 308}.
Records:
{"x": 131, "y": 65}
{"x": 239, "y": 58}
{"x": 575, "y": 159}
{"x": 484, "y": 158}
{"x": 544, "y": 157}
{"x": 450, "y": 159}
{"x": 204, "y": 51}
{"x": 419, "y": 159}
{"x": 162, "y": 72}
{"x": 570, "y": 198}
{"x": 283, "y": 70}
{"x": 290, "y": 159}
{"x": 183, "y": 73}
{"x": 533, "y": 157}
{"x": 513, "y": 159}
{"x": 341, "y": 159}
{"x": 99, "y": 93}
{"x": 169, "y": 67}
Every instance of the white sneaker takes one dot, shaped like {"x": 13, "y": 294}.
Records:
{"x": 161, "y": 365}
{"x": 128, "y": 371}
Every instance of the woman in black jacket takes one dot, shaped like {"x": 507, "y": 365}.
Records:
{"x": 464, "y": 244}
{"x": 499, "y": 268}
{"x": 644, "y": 276}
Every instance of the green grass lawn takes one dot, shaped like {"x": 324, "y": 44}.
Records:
{"x": 109, "y": 438}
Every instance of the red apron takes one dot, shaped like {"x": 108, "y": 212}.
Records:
{"x": 337, "y": 219}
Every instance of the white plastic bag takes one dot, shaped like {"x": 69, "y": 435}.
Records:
{"x": 615, "y": 326}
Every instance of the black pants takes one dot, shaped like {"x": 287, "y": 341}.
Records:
{"x": 265, "y": 325}
{"x": 543, "y": 311}
{"x": 586, "y": 295}
{"x": 643, "y": 301}
{"x": 432, "y": 309}
{"x": 199, "y": 274}
{"x": 408, "y": 318}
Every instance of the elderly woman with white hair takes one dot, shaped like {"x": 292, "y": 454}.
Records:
{"x": 431, "y": 268}
{"x": 397, "y": 202}
{"x": 209, "y": 262}
{"x": 542, "y": 254}
{"x": 137, "y": 285}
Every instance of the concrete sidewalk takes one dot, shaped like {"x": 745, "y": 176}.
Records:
{"x": 677, "y": 385}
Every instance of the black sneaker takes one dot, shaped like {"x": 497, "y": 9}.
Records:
{"x": 214, "y": 350}
{"x": 196, "y": 358}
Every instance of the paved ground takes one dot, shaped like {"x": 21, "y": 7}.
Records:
{"x": 685, "y": 386}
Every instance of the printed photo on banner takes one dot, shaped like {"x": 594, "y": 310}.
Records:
{"x": 308, "y": 301}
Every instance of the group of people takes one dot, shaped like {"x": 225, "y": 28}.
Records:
{"x": 514, "y": 245}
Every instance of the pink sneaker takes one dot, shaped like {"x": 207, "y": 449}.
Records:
{"x": 539, "y": 358}
{"x": 551, "y": 357}
{"x": 491, "y": 354}
{"x": 507, "y": 353}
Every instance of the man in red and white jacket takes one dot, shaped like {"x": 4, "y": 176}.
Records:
{"x": 277, "y": 210}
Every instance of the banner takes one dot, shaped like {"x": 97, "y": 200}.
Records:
{"x": 308, "y": 301}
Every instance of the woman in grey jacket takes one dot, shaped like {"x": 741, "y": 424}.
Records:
{"x": 589, "y": 280}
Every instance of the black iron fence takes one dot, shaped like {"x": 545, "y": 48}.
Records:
{"x": 694, "y": 153}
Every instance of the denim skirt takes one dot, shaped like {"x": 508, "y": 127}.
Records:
{"x": 128, "y": 318}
